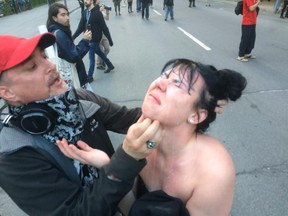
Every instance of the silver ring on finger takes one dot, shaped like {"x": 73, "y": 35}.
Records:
{"x": 151, "y": 144}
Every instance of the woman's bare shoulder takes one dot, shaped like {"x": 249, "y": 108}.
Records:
{"x": 215, "y": 156}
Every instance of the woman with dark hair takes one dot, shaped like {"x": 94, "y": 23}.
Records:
{"x": 188, "y": 166}
{"x": 59, "y": 24}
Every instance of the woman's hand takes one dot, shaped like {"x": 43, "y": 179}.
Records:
{"x": 84, "y": 153}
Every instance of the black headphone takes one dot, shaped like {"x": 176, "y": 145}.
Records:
{"x": 34, "y": 119}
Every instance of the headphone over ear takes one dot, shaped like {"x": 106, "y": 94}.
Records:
{"x": 34, "y": 119}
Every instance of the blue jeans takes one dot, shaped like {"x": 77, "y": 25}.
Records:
{"x": 138, "y": 5}
{"x": 94, "y": 48}
{"x": 169, "y": 9}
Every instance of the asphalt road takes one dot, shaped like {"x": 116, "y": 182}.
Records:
{"x": 254, "y": 129}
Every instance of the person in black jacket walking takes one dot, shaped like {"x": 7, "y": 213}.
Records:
{"x": 92, "y": 18}
{"x": 145, "y": 8}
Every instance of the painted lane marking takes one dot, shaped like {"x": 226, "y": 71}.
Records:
{"x": 195, "y": 39}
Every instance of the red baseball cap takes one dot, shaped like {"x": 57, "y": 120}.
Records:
{"x": 14, "y": 50}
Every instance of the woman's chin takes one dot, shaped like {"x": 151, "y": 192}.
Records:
{"x": 148, "y": 113}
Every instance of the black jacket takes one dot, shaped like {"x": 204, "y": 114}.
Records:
{"x": 41, "y": 187}
{"x": 69, "y": 51}
{"x": 168, "y": 2}
{"x": 97, "y": 25}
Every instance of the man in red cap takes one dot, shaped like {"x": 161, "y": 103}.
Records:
{"x": 43, "y": 110}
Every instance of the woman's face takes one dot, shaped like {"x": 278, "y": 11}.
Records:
{"x": 167, "y": 99}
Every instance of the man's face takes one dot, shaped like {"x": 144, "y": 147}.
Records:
{"x": 34, "y": 79}
{"x": 88, "y": 3}
{"x": 62, "y": 17}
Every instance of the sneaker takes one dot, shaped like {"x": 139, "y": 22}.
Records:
{"x": 247, "y": 56}
{"x": 100, "y": 67}
{"x": 242, "y": 59}
{"x": 90, "y": 79}
{"x": 108, "y": 70}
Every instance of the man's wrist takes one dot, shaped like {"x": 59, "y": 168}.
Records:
{"x": 123, "y": 167}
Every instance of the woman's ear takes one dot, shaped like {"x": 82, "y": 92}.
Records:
{"x": 198, "y": 117}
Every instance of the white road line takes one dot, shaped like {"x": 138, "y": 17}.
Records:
{"x": 195, "y": 39}
{"x": 157, "y": 12}
{"x": 189, "y": 35}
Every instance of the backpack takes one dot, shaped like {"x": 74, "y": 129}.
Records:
{"x": 239, "y": 8}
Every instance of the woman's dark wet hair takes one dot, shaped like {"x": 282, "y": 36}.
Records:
{"x": 53, "y": 11}
{"x": 219, "y": 84}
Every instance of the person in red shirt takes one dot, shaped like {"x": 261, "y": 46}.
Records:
{"x": 248, "y": 30}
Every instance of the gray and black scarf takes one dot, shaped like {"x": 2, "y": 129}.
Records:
{"x": 69, "y": 119}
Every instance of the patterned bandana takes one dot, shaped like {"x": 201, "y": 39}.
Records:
{"x": 69, "y": 123}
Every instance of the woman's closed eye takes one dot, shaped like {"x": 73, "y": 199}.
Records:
{"x": 178, "y": 83}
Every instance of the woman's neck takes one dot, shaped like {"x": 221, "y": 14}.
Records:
{"x": 175, "y": 140}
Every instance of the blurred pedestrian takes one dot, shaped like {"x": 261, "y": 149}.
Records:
{"x": 130, "y": 2}
{"x": 138, "y": 6}
{"x": 2, "y": 2}
{"x": 104, "y": 43}
{"x": 168, "y": 7}
{"x": 145, "y": 8}
{"x": 117, "y": 6}
{"x": 284, "y": 9}
{"x": 192, "y": 3}
{"x": 50, "y": 2}
{"x": 208, "y": 3}
{"x": 93, "y": 19}
{"x": 248, "y": 37}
